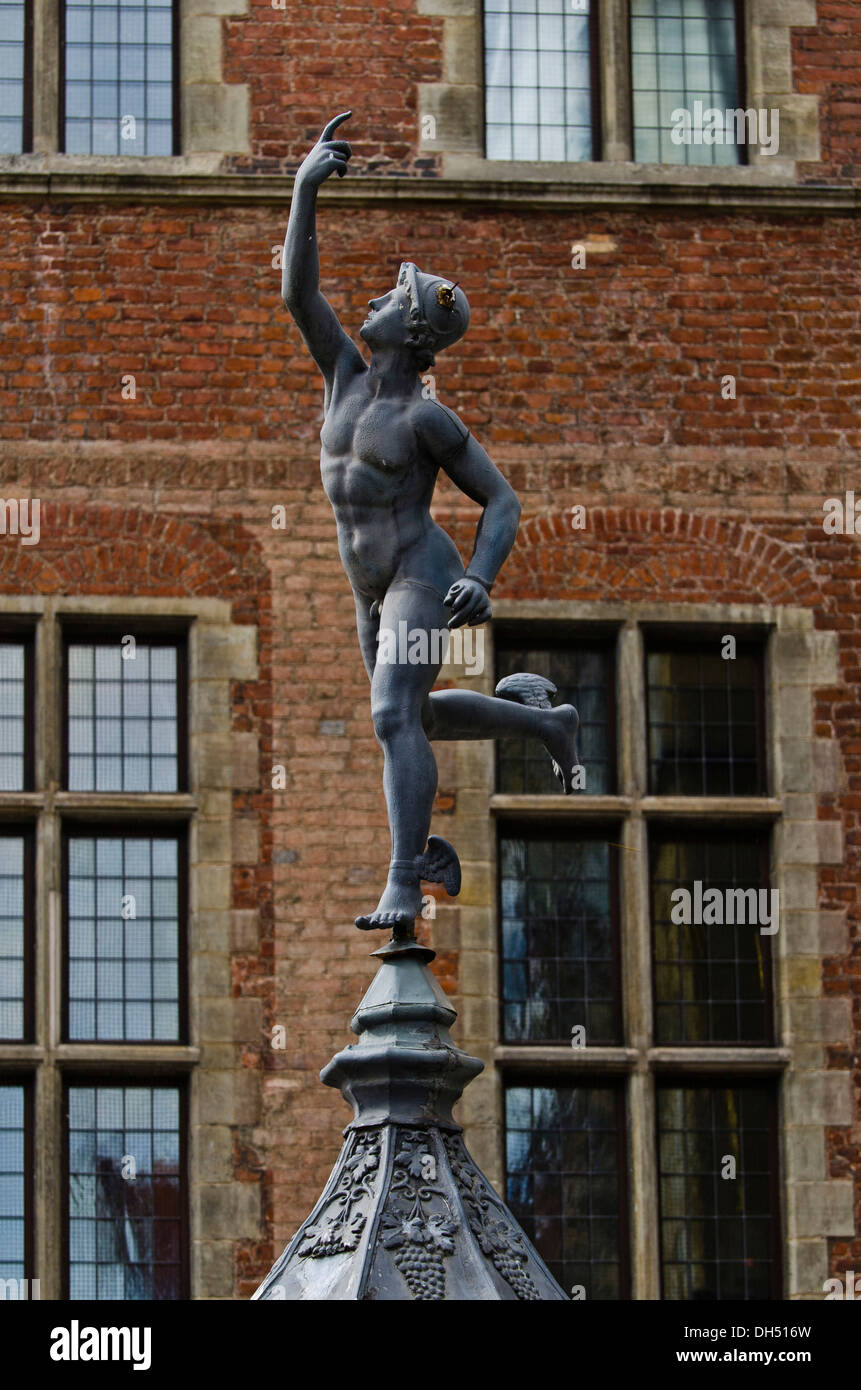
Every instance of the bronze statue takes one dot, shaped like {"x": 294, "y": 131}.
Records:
{"x": 383, "y": 444}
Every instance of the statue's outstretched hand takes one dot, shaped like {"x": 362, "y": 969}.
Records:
{"x": 327, "y": 156}
{"x": 468, "y": 602}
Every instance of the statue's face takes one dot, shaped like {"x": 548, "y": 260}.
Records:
{"x": 387, "y": 324}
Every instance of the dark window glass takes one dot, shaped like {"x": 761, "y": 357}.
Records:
{"x": 14, "y": 25}
{"x": 565, "y": 1181}
{"x": 583, "y": 676}
{"x": 119, "y": 77}
{"x": 123, "y": 717}
{"x": 712, "y": 979}
{"x": 123, "y": 935}
{"x": 705, "y": 723}
{"x": 558, "y": 911}
{"x": 538, "y": 79}
{"x": 13, "y": 711}
{"x": 126, "y": 1194}
{"x": 13, "y": 935}
{"x": 717, "y": 1232}
{"x": 682, "y": 52}
{"x": 13, "y": 1183}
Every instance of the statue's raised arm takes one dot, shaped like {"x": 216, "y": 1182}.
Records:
{"x": 331, "y": 348}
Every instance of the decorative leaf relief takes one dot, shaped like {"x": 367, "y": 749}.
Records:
{"x": 339, "y": 1226}
{"x": 419, "y": 1236}
{"x": 500, "y": 1240}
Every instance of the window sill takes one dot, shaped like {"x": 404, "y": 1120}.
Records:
{"x": 196, "y": 179}
{"x": 557, "y": 1055}
{"x": 763, "y": 808}
{"x": 120, "y": 1057}
{"x": 143, "y": 805}
{"x": 99, "y": 806}
{"x": 770, "y": 171}
{"x": 104, "y": 1057}
{"x": 580, "y": 805}
{"x": 753, "y": 1059}
{"x": 577, "y": 806}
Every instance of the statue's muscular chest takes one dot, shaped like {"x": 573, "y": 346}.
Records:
{"x": 367, "y": 437}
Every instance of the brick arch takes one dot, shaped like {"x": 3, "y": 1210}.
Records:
{"x": 669, "y": 554}
{"x": 87, "y": 549}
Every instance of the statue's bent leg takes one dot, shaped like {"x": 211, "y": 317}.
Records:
{"x": 408, "y": 660}
{"x": 465, "y": 714}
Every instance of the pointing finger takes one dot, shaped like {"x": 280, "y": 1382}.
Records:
{"x": 332, "y": 126}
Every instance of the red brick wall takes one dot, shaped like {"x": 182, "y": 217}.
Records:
{"x": 322, "y": 59}
{"x": 629, "y": 351}
{"x": 827, "y": 63}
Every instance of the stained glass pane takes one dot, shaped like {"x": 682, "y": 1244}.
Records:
{"x": 564, "y": 1184}
{"x": 713, "y": 919}
{"x": 583, "y": 675}
{"x": 126, "y": 1193}
{"x": 705, "y": 722}
{"x": 558, "y": 953}
{"x": 717, "y": 1192}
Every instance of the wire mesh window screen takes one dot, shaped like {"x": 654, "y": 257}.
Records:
{"x": 538, "y": 66}
{"x": 13, "y": 711}
{"x": 13, "y": 1180}
{"x": 123, "y": 937}
{"x": 684, "y": 52}
{"x": 13, "y": 56}
{"x": 13, "y": 936}
{"x": 123, "y": 717}
{"x": 118, "y": 79}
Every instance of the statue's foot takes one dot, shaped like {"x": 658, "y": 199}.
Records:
{"x": 560, "y": 740}
{"x": 399, "y": 906}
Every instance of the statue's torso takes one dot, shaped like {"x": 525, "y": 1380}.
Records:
{"x": 380, "y": 483}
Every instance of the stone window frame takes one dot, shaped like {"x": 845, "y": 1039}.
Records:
{"x": 798, "y": 659}
{"x": 457, "y": 102}
{"x": 215, "y": 116}
{"x": 221, "y": 1092}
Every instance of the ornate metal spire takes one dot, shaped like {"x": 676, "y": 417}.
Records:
{"x": 406, "y": 1214}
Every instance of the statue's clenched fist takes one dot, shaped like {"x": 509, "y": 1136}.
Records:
{"x": 468, "y": 602}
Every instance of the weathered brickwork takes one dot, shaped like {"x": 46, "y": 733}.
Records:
{"x": 602, "y": 387}
{"x": 826, "y": 63}
{"x": 632, "y": 349}
{"x": 302, "y": 59}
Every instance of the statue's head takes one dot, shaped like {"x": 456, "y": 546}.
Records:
{"x": 432, "y": 311}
